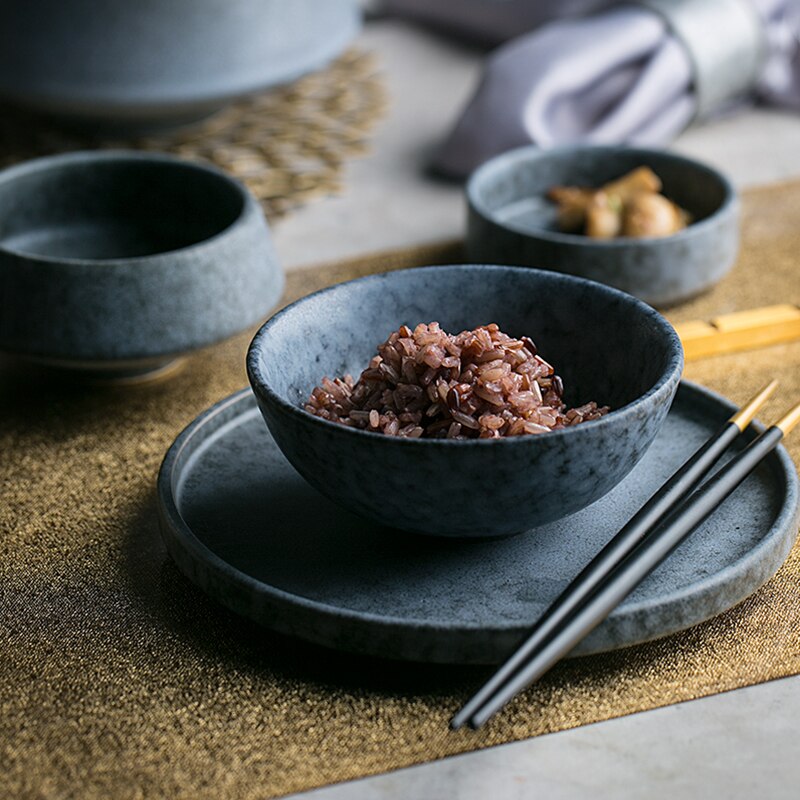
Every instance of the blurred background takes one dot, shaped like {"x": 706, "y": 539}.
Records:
{"x": 414, "y": 89}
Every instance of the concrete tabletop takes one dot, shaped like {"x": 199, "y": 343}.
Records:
{"x": 737, "y": 745}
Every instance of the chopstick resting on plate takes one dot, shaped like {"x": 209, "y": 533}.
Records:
{"x": 659, "y": 526}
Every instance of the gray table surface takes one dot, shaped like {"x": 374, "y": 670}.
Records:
{"x": 738, "y": 745}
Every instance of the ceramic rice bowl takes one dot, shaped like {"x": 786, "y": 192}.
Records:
{"x": 606, "y": 345}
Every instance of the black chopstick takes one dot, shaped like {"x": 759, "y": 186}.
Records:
{"x": 638, "y": 564}
{"x": 685, "y": 479}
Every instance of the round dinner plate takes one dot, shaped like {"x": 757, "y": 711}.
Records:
{"x": 248, "y": 530}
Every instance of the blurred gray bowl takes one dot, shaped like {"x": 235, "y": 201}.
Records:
{"x": 154, "y": 63}
{"x": 607, "y": 346}
{"x": 511, "y": 221}
{"x": 121, "y": 261}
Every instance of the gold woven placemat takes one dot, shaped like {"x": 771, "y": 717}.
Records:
{"x": 288, "y": 144}
{"x": 119, "y": 679}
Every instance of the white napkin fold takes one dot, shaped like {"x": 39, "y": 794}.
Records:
{"x": 618, "y": 75}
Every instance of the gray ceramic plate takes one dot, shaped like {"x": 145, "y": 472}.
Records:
{"x": 242, "y": 525}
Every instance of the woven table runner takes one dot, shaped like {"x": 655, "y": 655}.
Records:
{"x": 118, "y": 678}
{"x": 288, "y": 144}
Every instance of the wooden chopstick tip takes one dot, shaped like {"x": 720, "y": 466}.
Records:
{"x": 745, "y": 415}
{"x": 789, "y": 420}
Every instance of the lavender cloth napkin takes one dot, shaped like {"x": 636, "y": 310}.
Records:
{"x": 617, "y": 75}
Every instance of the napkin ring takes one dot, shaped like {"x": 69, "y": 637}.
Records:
{"x": 725, "y": 41}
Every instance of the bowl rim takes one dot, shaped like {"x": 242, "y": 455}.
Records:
{"x": 91, "y": 157}
{"x": 511, "y": 158}
{"x": 668, "y": 379}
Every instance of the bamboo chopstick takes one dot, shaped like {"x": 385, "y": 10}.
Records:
{"x": 628, "y": 559}
{"x": 741, "y": 330}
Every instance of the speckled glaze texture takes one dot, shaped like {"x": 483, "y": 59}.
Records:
{"x": 128, "y": 258}
{"x": 247, "y": 529}
{"x": 606, "y": 345}
{"x": 660, "y": 271}
{"x": 136, "y": 65}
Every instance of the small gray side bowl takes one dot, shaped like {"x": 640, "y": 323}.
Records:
{"x": 510, "y": 220}
{"x": 607, "y": 345}
{"x": 124, "y": 260}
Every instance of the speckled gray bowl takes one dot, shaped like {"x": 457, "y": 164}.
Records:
{"x": 117, "y": 261}
{"x": 510, "y": 220}
{"x": 606, "y": 345}
{"x": 138, "y": 65}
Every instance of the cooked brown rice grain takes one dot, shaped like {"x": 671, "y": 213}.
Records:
{"x": 426, "y": 383}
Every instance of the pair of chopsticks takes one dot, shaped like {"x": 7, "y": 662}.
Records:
{"x": 647, "y": 539}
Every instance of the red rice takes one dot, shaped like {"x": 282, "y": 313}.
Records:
{"x": 427, "y": 383}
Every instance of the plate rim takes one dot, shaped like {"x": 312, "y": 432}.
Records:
{"x": 176, "y": 533}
